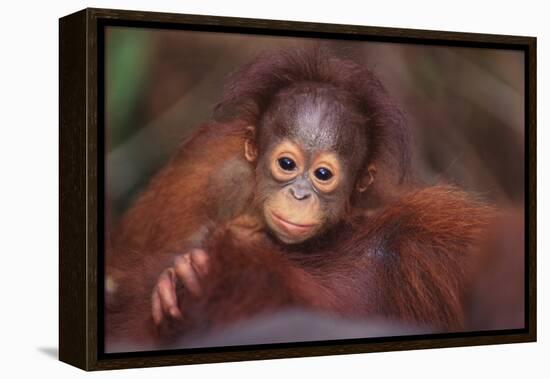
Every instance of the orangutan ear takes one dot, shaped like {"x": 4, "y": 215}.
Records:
{"x": 367, "y": 179}
{"x": 250, "y": 149}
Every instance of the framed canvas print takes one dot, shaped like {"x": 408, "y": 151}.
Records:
{"x": 237, "y": 189}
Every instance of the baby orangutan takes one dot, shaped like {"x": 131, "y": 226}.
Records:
{"x": 271, "y": 206}
{"x": 308, "y": 158}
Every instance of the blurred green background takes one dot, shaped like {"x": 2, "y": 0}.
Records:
{"x": 465, "y": 106}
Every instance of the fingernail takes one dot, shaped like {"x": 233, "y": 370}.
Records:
{"x": 174, "y": 312}
{"x": 200, "y": 256}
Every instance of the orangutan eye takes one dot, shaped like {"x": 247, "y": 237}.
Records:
{"x": 287, "y": 164}
{"x": 323, "y": 174}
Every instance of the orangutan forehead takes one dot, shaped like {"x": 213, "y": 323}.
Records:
{"x": 315, "y": 124}
{"x": 318, "y": 118}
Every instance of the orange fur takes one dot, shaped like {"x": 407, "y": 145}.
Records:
{"x": 160, "y": 224}
{"x": 411, "y": 263}
{"x": 175, "y": 197}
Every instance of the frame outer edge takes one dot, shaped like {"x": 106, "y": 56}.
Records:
{"x": 92, "y": 204}
{"x": 72, "y": 179}
{"x": 532, "y": 159}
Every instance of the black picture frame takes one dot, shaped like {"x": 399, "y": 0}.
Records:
{"x": 81, "y": 183}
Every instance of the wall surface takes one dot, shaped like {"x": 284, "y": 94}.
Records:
{"x": 28, "y": 201}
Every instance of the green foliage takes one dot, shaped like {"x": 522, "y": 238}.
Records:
{"x": 128, "y": 71}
